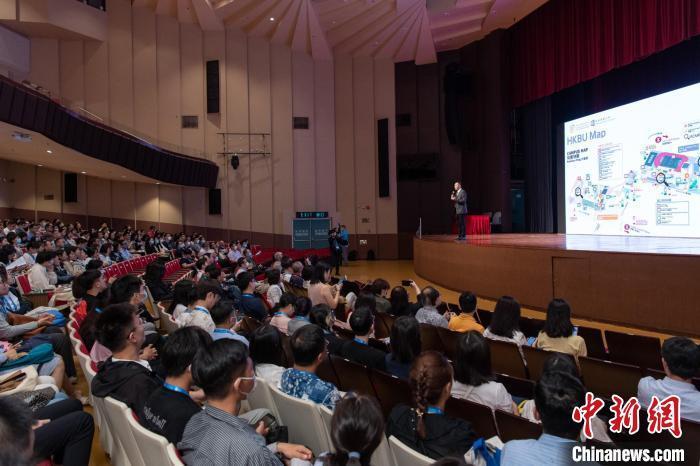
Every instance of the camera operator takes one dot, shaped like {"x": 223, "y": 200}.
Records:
{"x": 336, "y": 248}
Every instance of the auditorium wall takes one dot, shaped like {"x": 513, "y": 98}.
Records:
{"x": 151, "y": 70}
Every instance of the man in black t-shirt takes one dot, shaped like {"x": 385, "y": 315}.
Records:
{"x": 358, "y": 349}
{"x": 170, "y": 407}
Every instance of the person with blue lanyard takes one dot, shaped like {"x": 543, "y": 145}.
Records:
{"x": 207, "y": 295}
{"x": 250, "y": 305}
{"x": 358, "y": 349}
{"x": 168, "y": 409}
{"x": 224, "y": 317}
{"x": 344, "y": 236}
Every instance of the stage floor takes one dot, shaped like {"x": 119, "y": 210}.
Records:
{"x": 639, "y": 281}
{"x": 590, "y": 243}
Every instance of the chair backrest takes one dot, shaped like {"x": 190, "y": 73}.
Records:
{"x": 249, "y": 324}
{"x": 117, "y": 412}
{"x": 390, "y": 390}
{"x": 521, "y": 388}
{"x": 512, "y": 427}
{"x": 388, "y": 321}
{"x": 380, "y": 328}
{"x": 506, "y": 358}
{"x": 607, "y": 378}
{"x": 637, "y": 350}
{"x": 153, "y": 447}
{"x": 261, "y": 397}
{"x": 405, "y": 455}
{"x": 287, "y": 350}
{"x": 23, "y": 281}
{"x": 536, "y": 358}
{"x": 326, "y": 372}
{"x": 484, "y": 317}
{"x": 450, "y": 340}
{"x": 304, "y": 421}
{"x": 352, "y": 376}
{"x": 531, "y": 327}
{"x": 594, "y": 342}
{"x": 480, "y": 416}
{"x": 174, "y": 456}
{"x": 430, "y": 339}
{"x": 107, "y": 439}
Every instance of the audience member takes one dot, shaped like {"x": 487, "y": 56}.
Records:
{"x": 556, "y": 396}
{"x": 428, "y": 313}
{"x": 558, "y": 334}
{"x": 323, "y": 316}
{"x": 207, "y": 294}
{"x": 380, "y": 288}
{"x": 400, "y": 305}
{"x": 283, "y": 312}
{"x": 91, "y": 287}
{"x": 124, "y": 376}
{"x": 250, "y": 305}
{"x": 357, "y": 429}
{"x": 405, "y": 345}
{"x": 42, "y": 275}
{"x": 505, "y": 322}
{"x": 320, "y": 291}
{"x": 425, "y": 427}
{"x": 216, "y": 435}
{"x": 184, "y": 296}
{"x": 224, "y": 317}
{"x": 296, "y": 279}
{"x": 274, "y": 292}
{"x": 464, "y": 320}
{"x": 309, "y": 350}
{"x": 302, "y": 308}
{"x": 169, "y": 407}
{"x": 267, "y": 354}
{"x": 155, "y": 272}
{"x": 358, "y": 349}
{"x": 680, "y": 358}
{"x": 474, "y": 379}
{"x": 32, "y": 250}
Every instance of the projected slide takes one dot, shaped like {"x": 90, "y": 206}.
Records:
{"x": 635, "y": 169}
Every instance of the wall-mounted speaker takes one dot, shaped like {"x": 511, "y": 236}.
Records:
{"x": 214, "y": 202}
{"x": 213, "y": 86}
{"x": 383, "y": 156}
{"x": 70, "y": 187}
{"x": 300, "y": 122}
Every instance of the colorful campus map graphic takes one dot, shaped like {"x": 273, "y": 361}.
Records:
{"x": 621, "y": 182}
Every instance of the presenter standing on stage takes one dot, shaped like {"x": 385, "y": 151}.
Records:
{"x": 459, "y": 197}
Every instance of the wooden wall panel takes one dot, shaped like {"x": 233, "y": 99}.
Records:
{"x": 145, "y": 72}
{"x": 384, "y": 107}
{"x": 304, "y": 139}
{"x": 344, "y": 142}
{"x": 324, "y": 110}
{"x": 96, "y": 68}
{"x": 121, "y": 83}
{"x": 71, "y": 71}
{"x": 99, "y": 197}
{"x": 364, "y": 145}
{"x": 169, "y": 87}
{"x": 192, "y": 82}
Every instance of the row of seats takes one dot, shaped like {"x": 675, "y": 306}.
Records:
{"x": 121, "y": 435}
{"x": 135, "y": 266}
{"x": 310, "y": 424}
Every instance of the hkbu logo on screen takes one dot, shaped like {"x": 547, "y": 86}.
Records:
{"x": 662, "y": 415}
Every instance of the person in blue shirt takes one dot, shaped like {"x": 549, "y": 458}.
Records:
{"x": 309, "y": 349}
{"x": 250, "y": 305}
{"x": 556, "y": 395}
{"x": 224, "y": 318}
{"x": 344, "y": 236}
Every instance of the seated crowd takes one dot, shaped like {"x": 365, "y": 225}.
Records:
{"x": 241, "y": 325}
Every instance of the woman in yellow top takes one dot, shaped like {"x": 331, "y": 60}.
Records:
{"x": 558, "y": 333}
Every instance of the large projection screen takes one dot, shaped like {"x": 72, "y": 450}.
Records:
{"x": 635, "y": 170}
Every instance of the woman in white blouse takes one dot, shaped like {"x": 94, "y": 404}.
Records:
{"x": 505, "y": 323}
{"x": 183, "y": 298}
{"x": 474, "y": 380}
{"x": 266, "y": 352}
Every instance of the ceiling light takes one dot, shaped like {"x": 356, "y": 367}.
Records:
{"x": 49, "y": 151}
{"x": 272, "y": 18}
{"x": 84, "y": 173}
{"x": 39, "y": 165}
{"x": 157, "y": 183}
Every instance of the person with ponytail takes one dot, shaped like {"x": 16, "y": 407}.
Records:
{"x": 357, "y": 428}
{"x": 424, "y": 426}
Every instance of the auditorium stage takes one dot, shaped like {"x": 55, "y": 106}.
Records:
{"x": 641, "y": 282}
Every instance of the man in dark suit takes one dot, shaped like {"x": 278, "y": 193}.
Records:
{"x": 459, "y": 197}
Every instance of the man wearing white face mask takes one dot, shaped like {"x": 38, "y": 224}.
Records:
{"x": 217, "y": 435}
{"x": 170, "y": 407}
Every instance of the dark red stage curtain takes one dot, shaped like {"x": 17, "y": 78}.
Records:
{"x": 569, "y": 41}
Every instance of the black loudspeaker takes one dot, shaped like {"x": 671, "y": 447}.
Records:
{"x": 214, "y": 202}
{"x": 213, "y": 86}
{"x": 383, "y": 156}
{"x": 70, "y": 187}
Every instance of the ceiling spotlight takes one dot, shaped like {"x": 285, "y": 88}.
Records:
{"x": 272, "y": 18}
{"x": 39, "y": 165}
{"x": 157, "y": 183}
{"x": 84, "y": 173}
{"x": 49, "y": 151}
